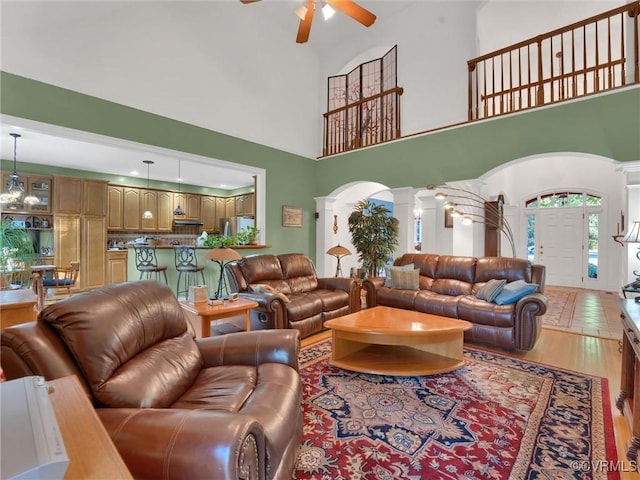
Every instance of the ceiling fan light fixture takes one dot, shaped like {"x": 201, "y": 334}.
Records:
{"x": 301, "y": 11}
{"x": 327, "y": 11}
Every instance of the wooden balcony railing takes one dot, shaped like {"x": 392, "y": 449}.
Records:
{"x": 587, "y": 57}
{"x": 368, "y": 121}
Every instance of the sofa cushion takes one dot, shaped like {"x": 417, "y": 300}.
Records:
{"x": 303, "y": 305}
{"x": 264, "y": 288}
{"x": 437, "y": 304}
{"x": 332, "y": 299}
{"x": 480, "y": 312}
{"x": 145, "y": 343}
{"x": 403, "y": 279}
{"x": 490, "y": 290}
{"x": 510, "y": 269}
{"x": 389, "y": 268}
{"x": 514, "y": 291}
{"x": 260, "y": 268}
{"x": 299, "y": 272}
{"x": 392, "y": 297}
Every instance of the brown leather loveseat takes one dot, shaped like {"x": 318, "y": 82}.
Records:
{"x": 289, "y": 292}
{"x": 176, "y": 407}
{"x": 448, "y": 285}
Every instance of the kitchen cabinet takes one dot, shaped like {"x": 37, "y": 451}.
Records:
{"x": 115, "y": 205}
{"x": 165, "y": 211}
{"x": 149, "y": 202}
{"x": 67, "y": 195}
{"x": 66, "y": 231}
{"x": 230, "y": 207}
{"x": 37, "y": 185}
{"x": 244, "y": 205}
{"x": 190, "y": 203}
{"x": 131, "y": 214}
{"x": 93, "y": 252}
{"x": 208, "y": 213}
{"x": 94, "y": 197}
{"x": 117, "y": 266}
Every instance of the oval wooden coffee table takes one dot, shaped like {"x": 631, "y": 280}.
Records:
{"x": 392, "y": 341}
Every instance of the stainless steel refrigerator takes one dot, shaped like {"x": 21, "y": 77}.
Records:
{"x": 231, "y": 226}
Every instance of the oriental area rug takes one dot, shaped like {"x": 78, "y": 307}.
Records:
{"x": 495, "y": 418}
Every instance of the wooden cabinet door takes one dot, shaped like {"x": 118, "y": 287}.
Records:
{"x": 131, "y": 209}
{"x": 165, "y": 211}
{"x": 193, "y": 207}
{"x": 117, "y": 267}
{"x": 239, "y": 204}
{"x": 208, "y": 213}
{"x": 41, "y": 188}
{"x": 149, "y": 202}
{"x": 180, "y": 199}
{"x": 230, "y": 207}
{"x": 67, "y": 195}
{"x": 94, "y": 197}
{"x": 66, "y": 244}
{"x": 115, "y": 203}
{"x": 94, "y": 252}
{"x": 249, "y": 204}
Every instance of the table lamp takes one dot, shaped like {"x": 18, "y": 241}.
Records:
{"x": 338, "y": 251}
{"x": 222, "y": 256}
{"x": 633, "y": 236}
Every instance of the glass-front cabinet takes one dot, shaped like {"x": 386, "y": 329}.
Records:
{"x": 36, "y": 185}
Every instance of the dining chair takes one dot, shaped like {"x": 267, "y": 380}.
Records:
{"x": 62, "y": 277}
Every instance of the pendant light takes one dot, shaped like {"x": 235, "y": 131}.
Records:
{"x": 15, "y": 191}
{"x": 147, "y": 214}
{"x": 179, "y": 212}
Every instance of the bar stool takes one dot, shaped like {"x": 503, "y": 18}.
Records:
{"x": 187, "y": 264}
{"x": 147, "y": 263}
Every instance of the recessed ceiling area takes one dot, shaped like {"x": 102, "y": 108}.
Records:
{"x": 61, "y": 147}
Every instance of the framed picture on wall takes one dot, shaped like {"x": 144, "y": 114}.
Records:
{"x": 291, "y": 216}
{"x": 448, "y": 218}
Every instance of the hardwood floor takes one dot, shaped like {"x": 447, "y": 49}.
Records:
{"x": 581, "y": 353}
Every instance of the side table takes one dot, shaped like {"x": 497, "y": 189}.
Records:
{"x": 628, "y": 400}
{"x": 201, "y": 314}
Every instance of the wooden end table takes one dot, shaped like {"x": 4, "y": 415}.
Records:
{"x": 17, "y": 306}
{"x": 392, "y": 341}
{"x": 201, "y": 314}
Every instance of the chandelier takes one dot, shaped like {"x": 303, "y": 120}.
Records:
{"x": 14, "y": 193}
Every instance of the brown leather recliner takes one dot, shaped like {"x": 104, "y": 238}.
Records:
{"x": 299, "y": 299}
{"x": 176, "y": 407}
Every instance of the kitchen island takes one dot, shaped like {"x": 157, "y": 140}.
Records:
{"x": 166, "y": 257}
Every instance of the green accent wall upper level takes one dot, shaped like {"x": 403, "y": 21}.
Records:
{"x": 607, "y": 125}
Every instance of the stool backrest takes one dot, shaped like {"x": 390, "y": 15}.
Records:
{"x": 146, "y": 257}
{"x": 185, "y": 256}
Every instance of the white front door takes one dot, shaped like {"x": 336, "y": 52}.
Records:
{"x": 561, "y": 245}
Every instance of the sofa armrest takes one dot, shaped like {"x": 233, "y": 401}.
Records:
{"x": 176, "y": 443}
{"x": 271, "y": 303}
{"x": 538, "y": 275}
{"x": 251, "y": 348}
{"x": 371, "y": 286}
{"x": 527, "y": 325}
{"x": 348, "y": 285}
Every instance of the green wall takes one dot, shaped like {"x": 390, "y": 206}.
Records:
{"x": 607, "y": 125}
{"x": 289, "y": 180}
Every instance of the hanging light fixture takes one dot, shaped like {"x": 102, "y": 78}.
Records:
{"x": 15, "y": 191}
{"x": 179, "y": 212}
{"x": 147, "y": 213}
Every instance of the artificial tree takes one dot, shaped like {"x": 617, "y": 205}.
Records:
{"x": 374, "y": 235}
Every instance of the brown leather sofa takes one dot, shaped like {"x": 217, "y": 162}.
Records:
{"x": 448, "y": 285}
{"x": 299, "y": 299}
{"x": 176, "y": 407}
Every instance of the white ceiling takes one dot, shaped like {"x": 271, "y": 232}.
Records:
{"x": 77, "y": 150}
{"x": 54, "y": 146}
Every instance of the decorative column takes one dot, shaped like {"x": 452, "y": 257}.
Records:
{"x": 404, "y": 204}
{"x": 325, "y": 236}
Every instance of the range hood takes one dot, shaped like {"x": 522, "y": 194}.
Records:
{"x": 187, "y": 223}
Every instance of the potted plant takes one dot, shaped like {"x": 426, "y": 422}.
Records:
{"x": 16, "y": 255}
{"x": 374, "y": 235}
{"x": 252, "y": 233}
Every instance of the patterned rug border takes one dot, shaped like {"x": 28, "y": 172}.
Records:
{"x": 602, "y": 441}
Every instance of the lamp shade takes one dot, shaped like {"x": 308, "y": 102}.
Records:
{"x": 222, "y": 254}
{"x": 633, "y": 235}
{"x": 338, "y": 250}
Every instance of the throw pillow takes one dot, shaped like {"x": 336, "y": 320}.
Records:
{"x": 263, "y": 288}
{"x": 490, "y": 290}
{"x": 514, "y": 291}
{"x": 388, "y": 269}
{"x": 403, "y": 279}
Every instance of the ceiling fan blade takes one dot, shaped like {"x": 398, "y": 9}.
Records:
{"x": 355, "y": 11}
{"x": 249, "y": 1}
{"x": 305, "y": 25}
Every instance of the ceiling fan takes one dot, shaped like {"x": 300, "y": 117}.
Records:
{"x": 307, "y": 9}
